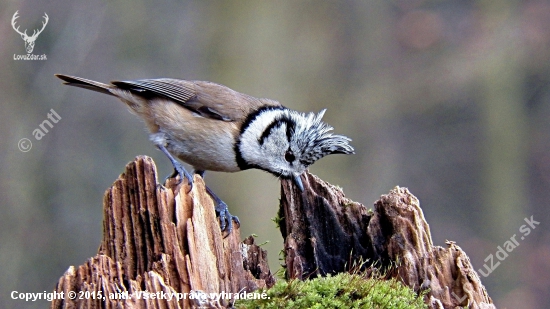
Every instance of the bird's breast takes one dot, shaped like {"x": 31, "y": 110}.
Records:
{"x": 204, "y": 143}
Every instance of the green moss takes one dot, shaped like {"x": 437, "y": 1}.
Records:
{"x": 277, "y": 220}
{"x": 280, "y": 216}
{"x": 348, "y": 204}
{"x": 341, "y": 291}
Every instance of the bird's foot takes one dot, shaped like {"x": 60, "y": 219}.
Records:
{"x": 226, "y": 219}
{"x": 183, "y": 175}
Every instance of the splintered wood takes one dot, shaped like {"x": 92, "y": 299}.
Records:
{"x": 162, "y": 247}
{"x": 162, "y": 241}
{"x": 326, "y": 233}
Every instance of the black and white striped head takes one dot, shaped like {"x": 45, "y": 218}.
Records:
{"x": 285, "y": 142}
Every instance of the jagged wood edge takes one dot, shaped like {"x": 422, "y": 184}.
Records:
{"x": 325, "y": 233}
{"x": 162, "y": 239}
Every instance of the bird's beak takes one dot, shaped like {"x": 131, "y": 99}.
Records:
{"x": 298, "y": 182}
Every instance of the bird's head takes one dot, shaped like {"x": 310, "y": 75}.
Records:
{"x": 285, "y": 142}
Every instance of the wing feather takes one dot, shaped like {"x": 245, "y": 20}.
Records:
{"x": 207, "y": 99}
{"x": 176, "y": 90}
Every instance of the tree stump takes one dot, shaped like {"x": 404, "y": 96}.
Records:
{"x": 326, "y": 233}
{"x": 164, "y": 240}
{"x": 159, "y": 239}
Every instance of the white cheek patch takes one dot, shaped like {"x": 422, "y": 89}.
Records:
{"x": 256, "y": 128}
{"x": 276, "y": 141}
{"x": 251, "y": 149}
{"x": 264, "y": 142}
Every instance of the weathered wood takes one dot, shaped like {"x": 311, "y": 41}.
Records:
{"x": 161, "y": 239}
{"x": 323, "y": 230}
{"x": 164, "y": 239}
{"x": 327, "y": 233}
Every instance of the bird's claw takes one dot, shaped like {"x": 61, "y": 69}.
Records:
{"x": 226, "y": 219}
{"x": 184, "y": 174}
{"x": 180, "y": 170}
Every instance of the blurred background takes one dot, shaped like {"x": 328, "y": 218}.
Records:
{"x": 447, "y": 98}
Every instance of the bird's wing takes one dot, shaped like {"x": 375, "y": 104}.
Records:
{"x": 210, "y": 100}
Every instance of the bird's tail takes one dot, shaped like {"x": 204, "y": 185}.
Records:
{"x": 85, "y": 83}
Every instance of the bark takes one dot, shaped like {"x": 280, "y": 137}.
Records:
{"x": 326, "y": 233}
{"x": 162, "y": 239}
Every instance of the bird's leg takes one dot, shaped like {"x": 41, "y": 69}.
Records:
{"x": 174, "y": 174}
{"x": 178, "y": 167}
{"x": 226, "y": 219}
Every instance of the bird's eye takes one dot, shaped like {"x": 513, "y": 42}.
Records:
{"x": 289, "y": 156}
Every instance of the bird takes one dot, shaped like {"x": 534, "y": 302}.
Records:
{"x": 215, "y": 128}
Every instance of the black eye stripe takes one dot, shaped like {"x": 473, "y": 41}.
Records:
{"x": 290, "y": 128}
{"x": 252, "y": 116}
{"x": 275, "y": 124}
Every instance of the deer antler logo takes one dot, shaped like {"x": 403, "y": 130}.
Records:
{"x": 29, "y": 40}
